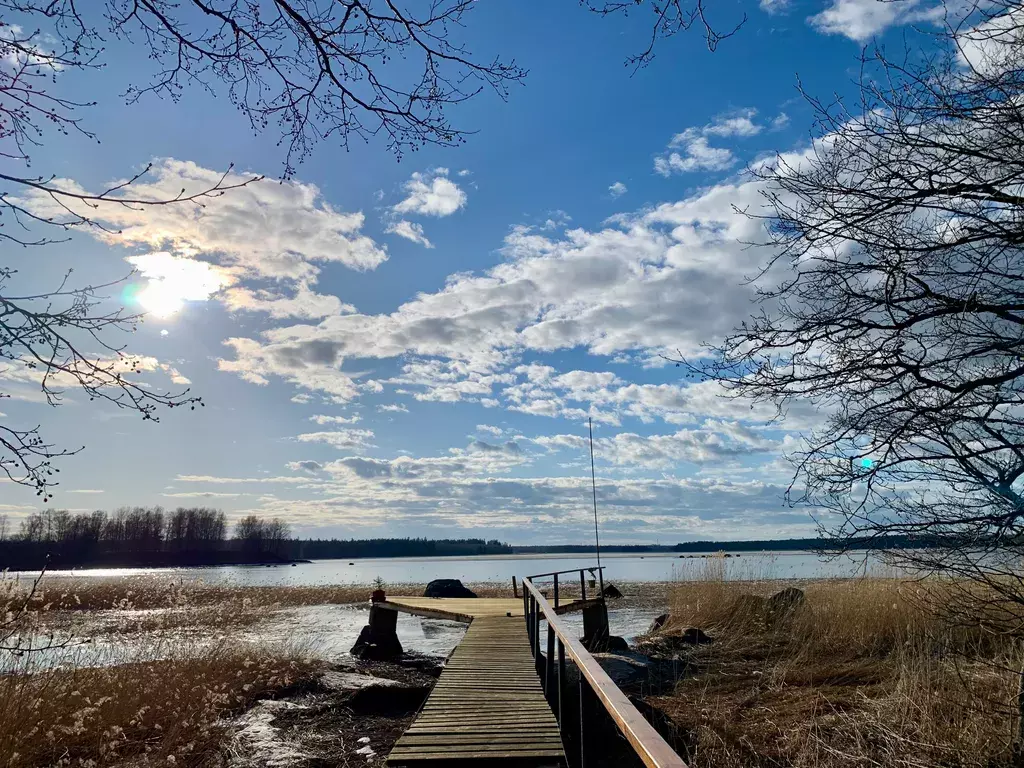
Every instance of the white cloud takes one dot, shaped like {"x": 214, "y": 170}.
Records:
{"x": 431, "y": 194}
{"x": 410, "y": 231}
{"x": 714, "y": 441}
{"x": 659, "y": 281}
{"x": 202, "y": 495}
{"x": 215, "y": 480}
{"x": 618, "y": 189}
{"x": 321, "y": 419}
{"x": 861, "y": 20}
{"x": 304, "y": 303}
{"x": 740, "y": 123}
{"x": 268, "y": 229}
{"x": 490, "y": 430}
{"x": 392, "y": 408}
{"x": 343, "y": 439}
{"x": 690, "y": 150}
{"x": 779, "y": 122}
{"x": 772, "y": 7}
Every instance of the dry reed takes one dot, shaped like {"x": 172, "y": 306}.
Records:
{"x": 866, "y": 672}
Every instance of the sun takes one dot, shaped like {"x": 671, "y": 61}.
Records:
{"x": 160, "y": 299}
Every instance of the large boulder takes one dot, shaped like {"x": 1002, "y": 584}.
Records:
{"x": 611, "y": 591}
{"x": 447, "y": 588}
{"x": 781, "y": 606}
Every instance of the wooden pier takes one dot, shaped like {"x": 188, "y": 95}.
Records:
{"x": 488, "y": 708}
{"x": 504, "y": 697}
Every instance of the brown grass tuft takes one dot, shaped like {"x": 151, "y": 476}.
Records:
{"x": 163, "y": 712}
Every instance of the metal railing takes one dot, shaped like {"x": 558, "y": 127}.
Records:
{"x": 593, "y": 682}
{"x": 596, "y": 572}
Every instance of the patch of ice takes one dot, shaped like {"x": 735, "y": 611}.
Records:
{"x": 259, "y": 743}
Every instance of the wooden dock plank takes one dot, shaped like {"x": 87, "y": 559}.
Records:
{"x": 488, "y": 707}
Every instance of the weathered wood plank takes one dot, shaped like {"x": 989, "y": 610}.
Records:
{"x": 488, "y": 704}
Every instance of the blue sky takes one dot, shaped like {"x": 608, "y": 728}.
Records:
{"x": 413, "y": 348}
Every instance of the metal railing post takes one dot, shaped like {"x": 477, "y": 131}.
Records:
{"x": 556, "y": 590}
{"x": 583, "y": 751}
{"x": 583, "y": 587}
{"x": 549, "y": 665}
{"x": 536, "y": 639}
{"x": 561, "y": 686}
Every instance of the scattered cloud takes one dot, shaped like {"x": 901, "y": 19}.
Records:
{"x": 779, "y": 122}
{"x": 772, "y": 7}
{"x": 304, "y": 303}
{"x": 214, "y": 480}
{"x": 392, "y": 408}
{"x": 410, "y": 231}
{"x": 691, "y": 151}
{"x": 861, "y": 20}
{"x": 431, "y": 194}
{"x": 321, "y": 419}
{"x": 342, "y": 439}
{"x": 618, "y": 189}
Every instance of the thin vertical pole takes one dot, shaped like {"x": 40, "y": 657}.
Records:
{"x": 556, "y": 590}
{"x": 593, "y": 483}
{"x": 583, "y": 587}
{"x": 583, "y": 687}
{"x": 514, "y": 592}
{"x": 561, "y": 685}
{"x": 549, "y": 666}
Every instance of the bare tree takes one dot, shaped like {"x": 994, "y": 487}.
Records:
{"x": 670, "y": 17}
{"x": 894, "y": 300}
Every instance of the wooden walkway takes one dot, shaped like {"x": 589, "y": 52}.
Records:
{"x": 488, "y": 707}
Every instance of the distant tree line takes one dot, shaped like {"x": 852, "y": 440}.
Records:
{"x": 317, "y": 549}
{"x": 143, "y": 536}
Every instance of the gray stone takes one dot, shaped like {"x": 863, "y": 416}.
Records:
{"x": 447, "y": 588}
{"x": 658, "y": 623}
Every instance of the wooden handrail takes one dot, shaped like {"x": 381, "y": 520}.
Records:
{"x": 648, "y": 744}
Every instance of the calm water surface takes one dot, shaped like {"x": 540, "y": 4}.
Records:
{"x": 404, "y": 570}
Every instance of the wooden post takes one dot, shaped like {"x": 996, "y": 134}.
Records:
{"x": 583, "y": 587}
{"x": 514, "y": 592}
{"x": 556, "y": 590}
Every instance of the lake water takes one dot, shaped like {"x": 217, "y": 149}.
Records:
{"x": 501, "y": 568}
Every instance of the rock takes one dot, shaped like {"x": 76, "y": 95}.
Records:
{"x": 692, "y": 636}
{"x": 337, "y": 680}
{"x": 781, "y": 606}
{"x": 447, "y": 588}
{"x": 390, "y": 699}
{"x": 658, "y": 623}
{"x": 616, "y": 644}
{"x": 788, "y": 599}
{"x": 610, "y": 590}
{"x": 625, "y": 669}
{"x": 376, "y": 648}
{"x": 670, "y": 645}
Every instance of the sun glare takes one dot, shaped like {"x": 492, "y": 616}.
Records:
{"x": 174, "y": 280}
{"x": 160, "y": 299}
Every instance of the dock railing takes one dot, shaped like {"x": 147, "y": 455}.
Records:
{"x": 596, "y": 573}
{"x": 561, "y": 646}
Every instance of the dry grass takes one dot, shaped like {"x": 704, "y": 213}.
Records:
{"x": 165, "y": 712}
{"x": 148, "y": 592}
{"x": 865, "y": 672}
